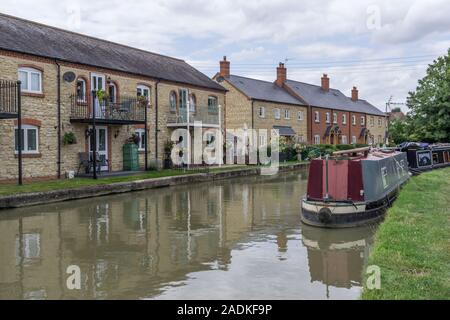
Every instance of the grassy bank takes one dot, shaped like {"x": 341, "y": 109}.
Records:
{"x": 8, "y": 189}
{"x": 412, "y": 246}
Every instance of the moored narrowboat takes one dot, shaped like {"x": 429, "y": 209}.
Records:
{"x": 423, "y": 157}
{"x": 353, "y": 187}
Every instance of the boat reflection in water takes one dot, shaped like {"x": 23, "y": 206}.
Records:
{"x": 337, "y": 257}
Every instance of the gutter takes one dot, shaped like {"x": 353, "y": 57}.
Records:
{"x": 58, "y": 103}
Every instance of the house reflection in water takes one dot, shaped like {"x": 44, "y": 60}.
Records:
{"x": 140, "y": 244}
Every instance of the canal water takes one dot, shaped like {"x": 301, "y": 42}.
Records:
{"x": 230, "y": 239}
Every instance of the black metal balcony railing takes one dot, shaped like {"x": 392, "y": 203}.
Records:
{"x": 201, "y": 114}
{"x": 8, "y": 99}
{"x": 124, "y": 110}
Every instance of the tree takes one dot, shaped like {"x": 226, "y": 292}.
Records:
{"x": 429, "y": 116}
{"x": 398, "y": 131}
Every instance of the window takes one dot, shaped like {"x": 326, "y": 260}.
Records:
{"x": 262, "y": 140}
{"x": 29, "y": 139}
{"x": 262, "y": 112}
{"x": 112, "y": 91}
{"x": 276, "y": 113}
{"x": 344, "y": 139}
{"x": 173, "y": 101}
{"x": 300, "y": 115}
{"x": 316, "y": 116}
{"x": 363, "y": 120}
{"x": 335, "y": 118}
{"x": 31, "y": 80}
{"x": 212, "y": 104}
{"x": 327, "y": 117}
{"x": 344, "y": 119}
{"x": 316, "y": 139}
{"x": 372, "y": 121}
{"x": 384, "y": 177}
{"x": 141, "y": 134}
{"x": 143, "y": 91}
{"x": 31, "y": 245}
{"x": 81, "y": 90}
{"x": 353, "y": 120}
{"x": 286, "y": 114}
{"x": 380, "y": 122}
{"x": 192, "y": 102}
{"x": 353, "y": 140}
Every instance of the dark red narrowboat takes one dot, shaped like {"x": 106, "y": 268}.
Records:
{"x": 353, "y": 187}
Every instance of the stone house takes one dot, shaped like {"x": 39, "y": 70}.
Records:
{"x": 135, "y": 89}
{"x": 258, "y": 104}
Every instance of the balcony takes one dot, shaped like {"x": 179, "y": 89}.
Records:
{"x": 8, "y": 100}
{"x": 124, "y": 110}
{"x": 209, "y": 117}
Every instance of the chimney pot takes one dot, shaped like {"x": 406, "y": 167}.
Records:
{"x": 225, "y": 67}
{"x": 325, "y": 82}
{"x": 281, "y": 74}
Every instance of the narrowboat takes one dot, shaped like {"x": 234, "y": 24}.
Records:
{"x": 353, "y": 187}
{"x": 423, "y": 157}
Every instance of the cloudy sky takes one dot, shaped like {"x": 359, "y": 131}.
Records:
{"x": 383, "y": 47}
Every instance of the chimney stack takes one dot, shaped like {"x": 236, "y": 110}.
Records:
{"x": 354, "y": 94}
{"x": 281, "y": 75}
{"x": 225, "y": 67}
{"x": 325, "y": 82}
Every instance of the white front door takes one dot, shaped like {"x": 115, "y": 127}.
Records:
{"x": 101, "y": 146}
{"x": 98, "y": 83}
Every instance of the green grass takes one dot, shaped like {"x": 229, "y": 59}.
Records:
{"x": 8, "y": 189}
{"x": 412, "y": 246}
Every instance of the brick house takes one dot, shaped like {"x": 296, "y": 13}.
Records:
{"x": 59, "y": 69}
{"x": 334, "y": 118}
{"x": 257, "y": 104}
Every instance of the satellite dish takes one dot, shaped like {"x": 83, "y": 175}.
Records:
{"x": 69, "y": 76}
{"x": 220, "y": 79}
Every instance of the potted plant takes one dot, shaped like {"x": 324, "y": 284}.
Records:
{"x": 69, "y": 138}
{"x": 142, "y": 101}
{"x": 134, "y": 138}
{"x": 101, "y": 95}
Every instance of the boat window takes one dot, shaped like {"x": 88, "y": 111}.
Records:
{"x": 384, "y": 177}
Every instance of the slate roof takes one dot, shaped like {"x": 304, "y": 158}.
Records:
{"x": 285, "y": 131}
{"x": 263, "y": 90}
{"x": 33, "y": 38}
{"x": 335, "y": 99}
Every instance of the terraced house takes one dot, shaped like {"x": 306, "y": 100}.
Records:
{"x": 257, "y": 104}
{"x": 136, "y": 94}
{"x": 310, "y": 113}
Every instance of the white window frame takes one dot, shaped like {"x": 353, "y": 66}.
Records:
{"x": 363, "y": 120}
{"x": 173, "y": 107}
{"x": 353, "y": 120}
{"x": 84, "y": 90}
{"x": 262, "y": 112}
{"x": 262, "y": 140}
{"x": 300, "y": 115}
{"x": 327, "y": 117}
{"x": 353, "y": 139}
{"x": 372, "y": 121}
{"x": 344, "y": 139}
{"x": 344, "y": 119}
{"x": 142, "y": 88}
{"x": 140, "y": 132}
{"x": 380, "y": 122}
{"x": 276, "y": 113}
{"x": 316, "y": 139}
{"x": 25, "y": 129}
{"x": 334, "y": 117}
{"x": 29, "y": 72}
{"x": 316, "y": 116}
{"x": 192, "y": 102}
{"x": 287, "y": 114}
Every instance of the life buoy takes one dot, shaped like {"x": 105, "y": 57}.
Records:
{"x": 325, "y": 215}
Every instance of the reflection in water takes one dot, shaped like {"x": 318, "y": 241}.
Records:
{"x": 227, "y": 239}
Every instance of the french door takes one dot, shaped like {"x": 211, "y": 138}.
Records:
{"x": 101, "y": 146}
{"x": 98, "y": 83}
